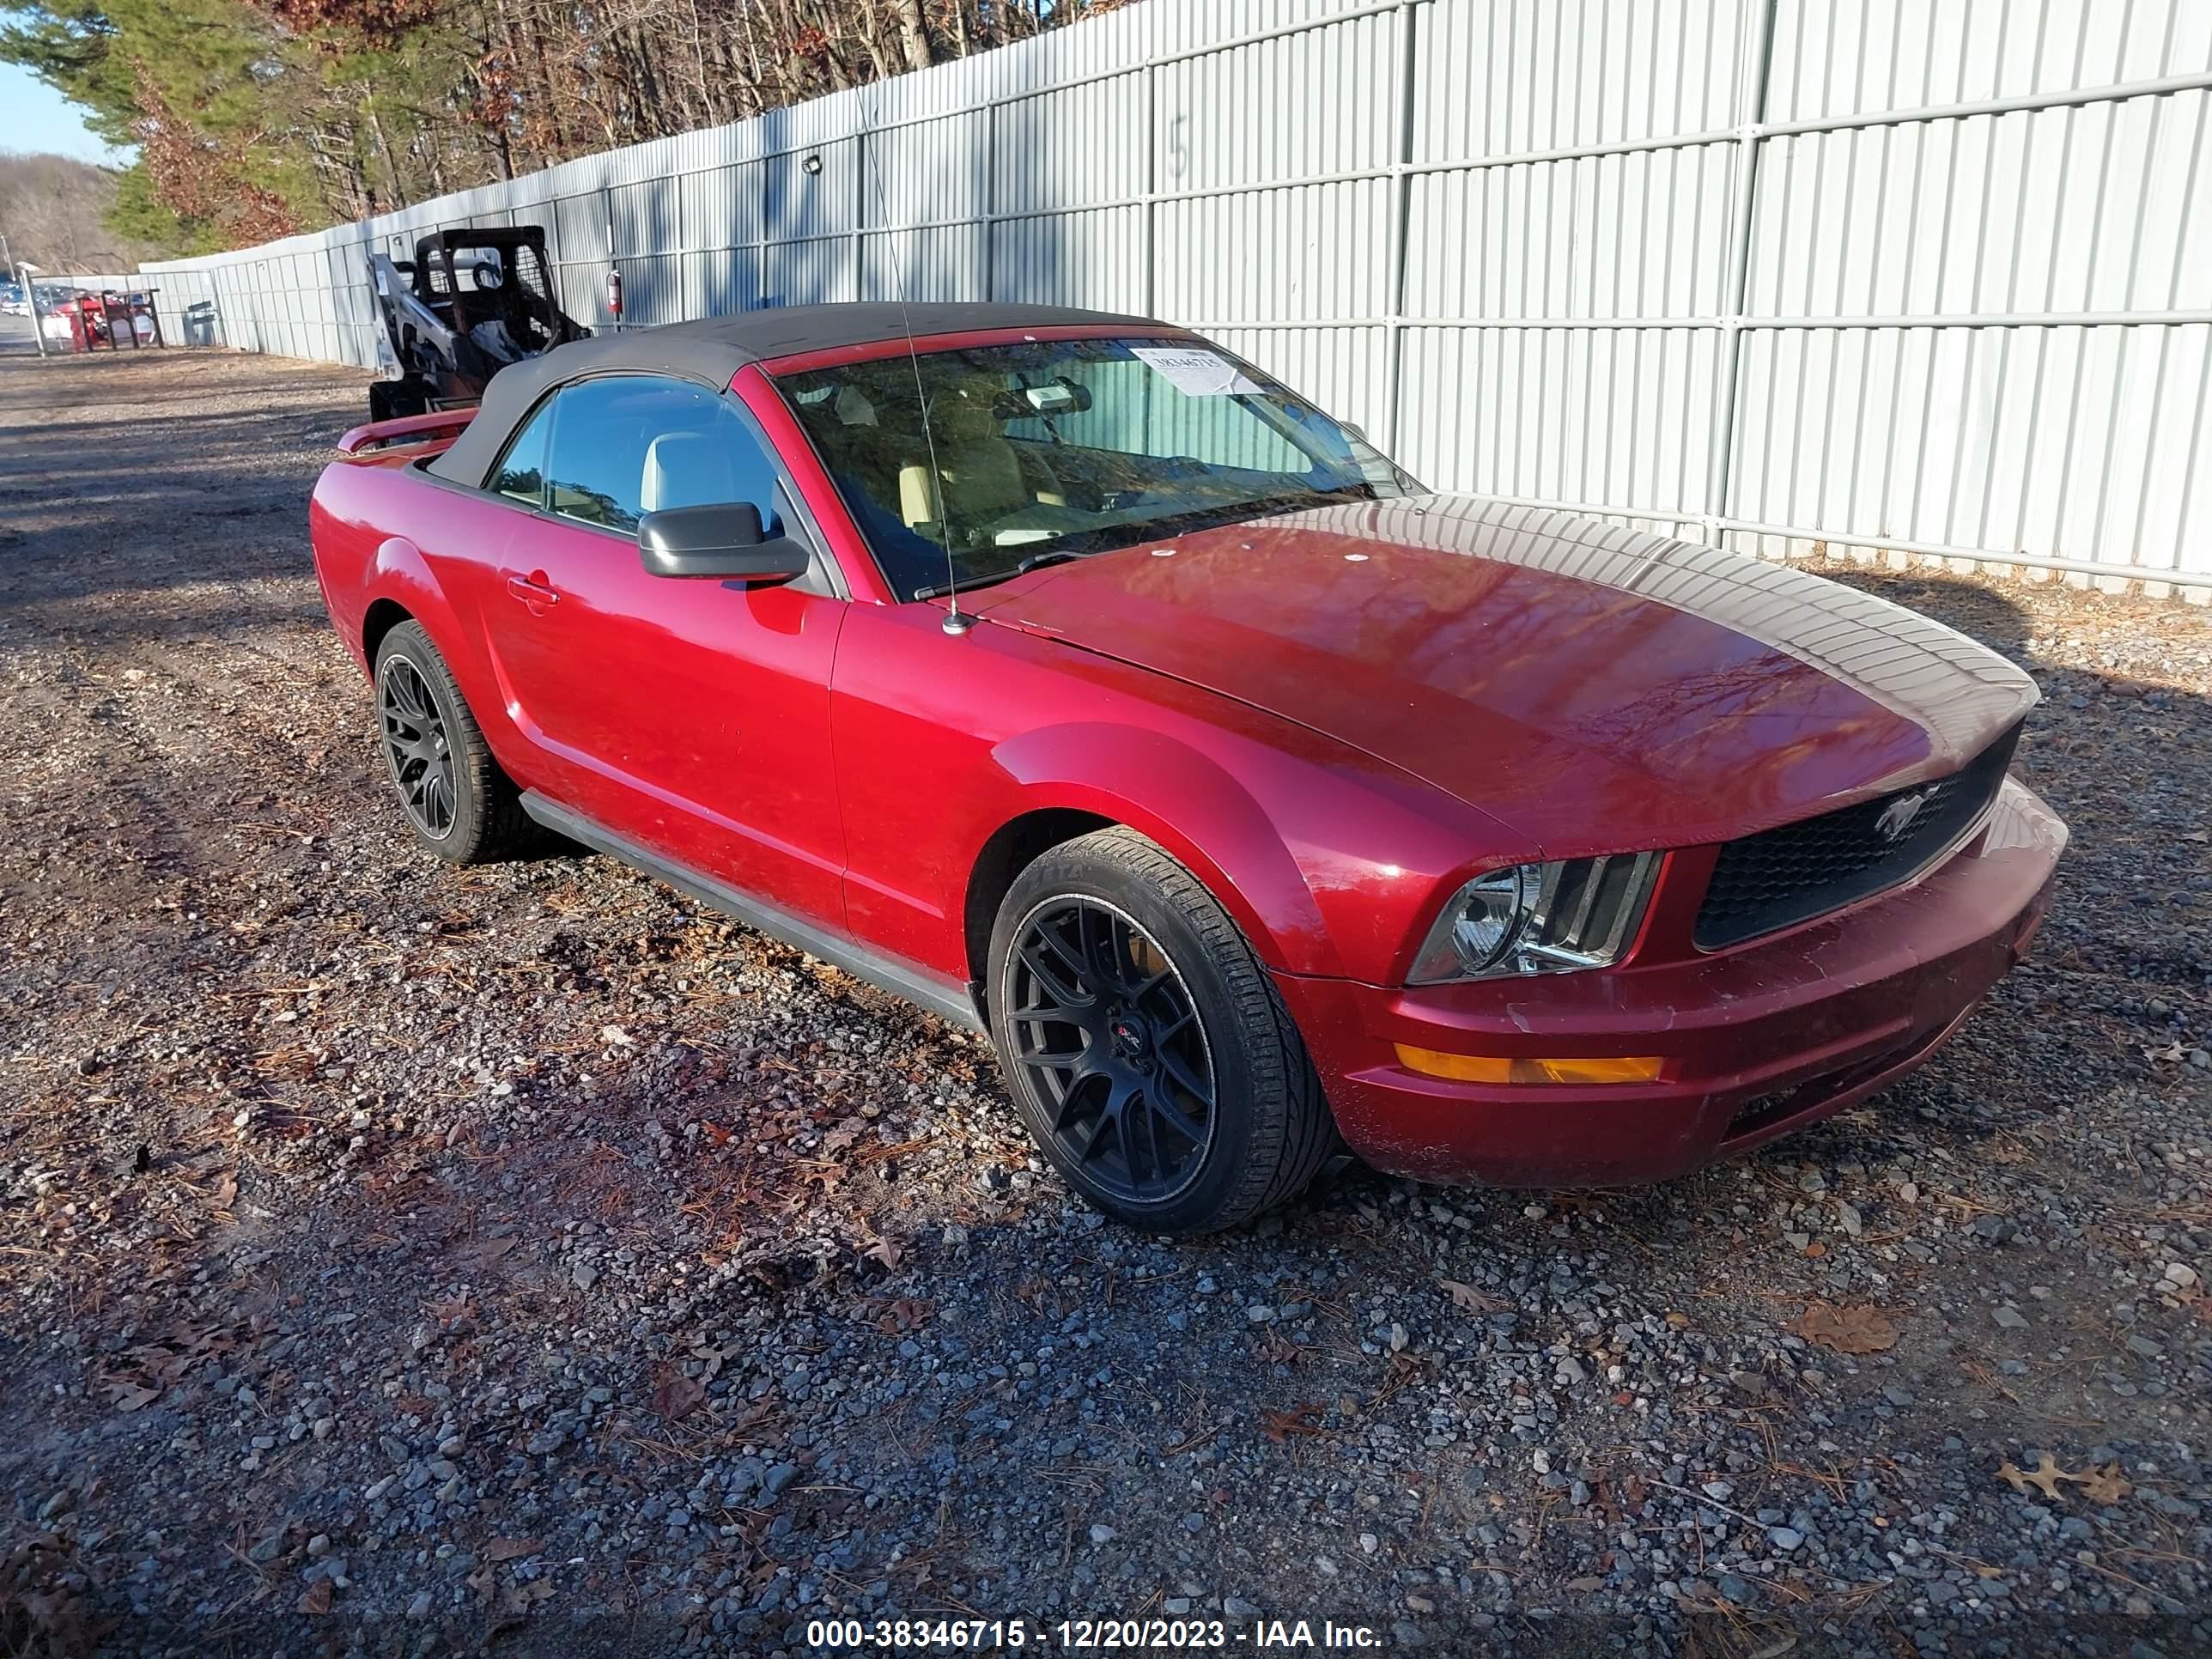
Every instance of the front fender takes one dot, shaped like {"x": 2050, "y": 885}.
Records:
{"x": 1190, "y": 803}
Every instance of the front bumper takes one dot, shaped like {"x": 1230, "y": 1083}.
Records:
{"x": 1757, "y": 1040}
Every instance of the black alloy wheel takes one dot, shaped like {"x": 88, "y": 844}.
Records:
{"x": 416, "y": 748}
{"x": 1148, "y": 1051}
{"x": 459, "y": 803}
{"x": 1108, "y": 1037}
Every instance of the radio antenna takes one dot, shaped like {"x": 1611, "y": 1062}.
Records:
{"x": 956, "y": 620}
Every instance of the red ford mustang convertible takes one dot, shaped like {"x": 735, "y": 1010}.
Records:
{"x": 1078, "y": 680}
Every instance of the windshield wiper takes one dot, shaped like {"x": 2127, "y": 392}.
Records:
{"x": 1230, "y": 512}
{"x": 1034, "y": 562}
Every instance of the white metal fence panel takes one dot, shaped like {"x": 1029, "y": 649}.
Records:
{"x": 1934, "y": 277}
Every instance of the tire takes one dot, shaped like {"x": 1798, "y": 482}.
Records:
{"x": 391, "y": 400}
{"x": 457, "y": 800}
{"x": 1113, "y": 974}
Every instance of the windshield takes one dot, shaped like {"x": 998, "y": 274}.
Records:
{"x": 1045, "y": 450}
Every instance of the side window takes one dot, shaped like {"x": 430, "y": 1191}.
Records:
{"x": 522, "y": 474}
{"x": 630, "y": 445}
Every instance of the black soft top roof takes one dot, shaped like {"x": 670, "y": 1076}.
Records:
{"x": 713, "y": 349}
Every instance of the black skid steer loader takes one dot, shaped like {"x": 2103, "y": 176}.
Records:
{"x": 470, "y": 302}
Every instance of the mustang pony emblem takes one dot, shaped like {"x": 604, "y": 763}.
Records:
{"x": 1900, "y": 815}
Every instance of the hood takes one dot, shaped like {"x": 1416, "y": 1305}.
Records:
{"x": 1593, "y": 687}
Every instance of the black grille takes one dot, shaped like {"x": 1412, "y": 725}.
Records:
{"x": 1787, "y": 875}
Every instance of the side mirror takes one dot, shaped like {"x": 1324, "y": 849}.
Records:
{"x": 723, "y": 542}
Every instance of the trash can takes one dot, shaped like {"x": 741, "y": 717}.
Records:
{"x": 199, "y": 323}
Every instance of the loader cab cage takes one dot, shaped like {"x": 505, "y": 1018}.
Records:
{"x": 470, "y": 277}
{"x": 468, "y": 304}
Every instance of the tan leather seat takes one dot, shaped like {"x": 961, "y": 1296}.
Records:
{"x": 980, "y": 475}
{"x": 980, "y": 470}
{"x": 687, "y": 469}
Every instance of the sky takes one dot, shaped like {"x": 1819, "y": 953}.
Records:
{"x": 37, "y": 119}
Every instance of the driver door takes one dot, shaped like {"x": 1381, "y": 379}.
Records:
{"x": 690, "y": 716}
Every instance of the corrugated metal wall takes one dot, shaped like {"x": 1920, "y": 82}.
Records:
{"x": 1933, "y": 275}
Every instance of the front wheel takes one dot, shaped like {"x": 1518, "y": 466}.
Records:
{"x": 1148, "y": 1051}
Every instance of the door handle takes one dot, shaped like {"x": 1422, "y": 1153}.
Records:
{"x": 532, "y": 590}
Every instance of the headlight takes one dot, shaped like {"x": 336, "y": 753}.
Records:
{"x": 1539, "y": 919}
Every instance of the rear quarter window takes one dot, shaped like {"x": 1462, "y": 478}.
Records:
{"x": 520, "y": 475}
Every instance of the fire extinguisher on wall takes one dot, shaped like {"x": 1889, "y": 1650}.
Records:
{"x": 614, "y": 295}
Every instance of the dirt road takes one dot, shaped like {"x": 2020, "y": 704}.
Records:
{"x": 400, "y": 1261}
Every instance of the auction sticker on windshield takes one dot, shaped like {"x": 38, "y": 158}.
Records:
{"x": 1196, "y": 371}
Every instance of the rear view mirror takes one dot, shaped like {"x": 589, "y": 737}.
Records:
{"x": 723, "y": 542}
{"x": 1060, "y": 397}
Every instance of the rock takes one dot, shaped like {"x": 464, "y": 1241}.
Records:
{"x": 418, "y": 1608}
{"x": 2011, "y": 1318}
{"x": 586, "y": 1275}
{"x": 1102, "y": 1534}
{"x": 1785, "y": 1538}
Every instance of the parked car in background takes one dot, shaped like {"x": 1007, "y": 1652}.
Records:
{"x": 12, "y": 301}
{"x": 1080, "y": 682}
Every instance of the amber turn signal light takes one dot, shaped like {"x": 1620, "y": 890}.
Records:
{"x": 1495, "y": 1068}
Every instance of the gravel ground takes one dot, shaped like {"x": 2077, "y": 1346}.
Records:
{"x": 397, "y": 1261}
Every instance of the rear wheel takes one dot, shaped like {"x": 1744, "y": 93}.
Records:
{"x": 458, "y": 801}
{"x": 1147, "y": 1049}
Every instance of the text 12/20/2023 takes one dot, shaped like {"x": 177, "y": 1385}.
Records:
{"x": 1088, "y": 1634}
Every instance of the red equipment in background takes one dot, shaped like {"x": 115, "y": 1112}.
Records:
{"x": 97, "y": 320}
